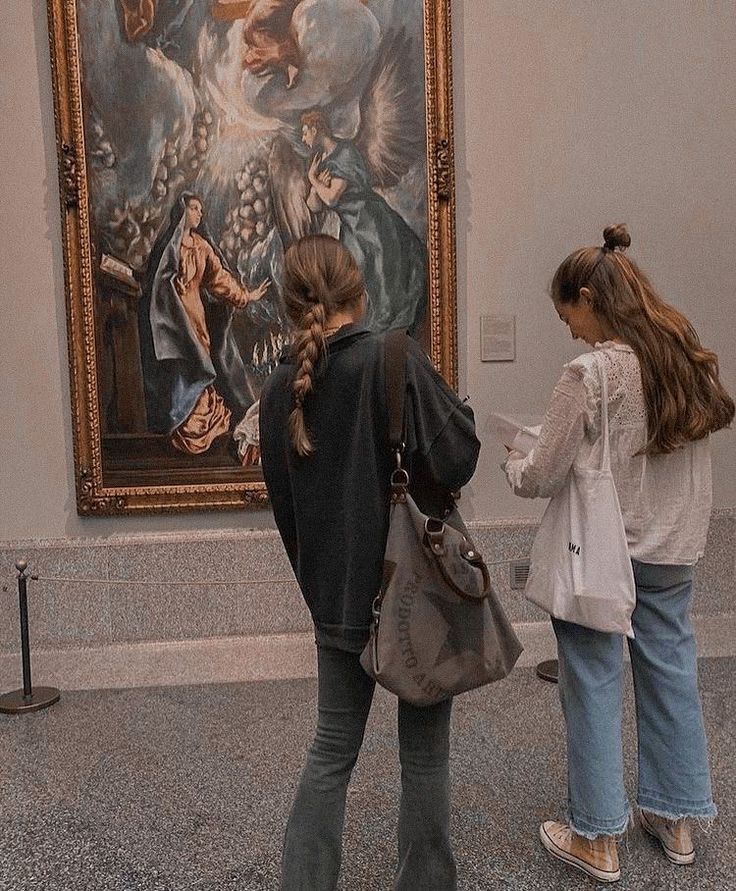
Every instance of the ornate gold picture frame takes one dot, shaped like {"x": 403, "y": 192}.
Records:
{"x": 185, "y": 131}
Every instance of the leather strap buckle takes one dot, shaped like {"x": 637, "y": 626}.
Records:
{"x": 434, "y": 531}
{"x": 399, "y": 484}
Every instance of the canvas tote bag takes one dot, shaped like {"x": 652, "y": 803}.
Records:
{"x": 580, "y": 566}
{"x": 437, "y": 628}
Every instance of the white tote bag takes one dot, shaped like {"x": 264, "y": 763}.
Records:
{"x": 580, "y": 565}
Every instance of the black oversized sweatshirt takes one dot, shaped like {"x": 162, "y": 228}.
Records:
{"x": 332, "y": 508}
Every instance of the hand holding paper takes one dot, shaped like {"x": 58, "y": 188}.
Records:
{"x": 514, "y": 435}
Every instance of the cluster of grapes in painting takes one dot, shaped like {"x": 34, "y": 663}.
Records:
{"x": 129, "y": 229}
{"x": 250, "y": 221}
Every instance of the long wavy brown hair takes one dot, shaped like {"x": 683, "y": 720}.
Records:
{"x": 684, "y": 397}
{"x": 321, "y": 277}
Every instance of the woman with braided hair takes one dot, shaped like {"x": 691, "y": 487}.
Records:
{"x": 327, "y": 465}
{"x": 664, "y": 399}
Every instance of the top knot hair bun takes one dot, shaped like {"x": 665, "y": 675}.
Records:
{"x": 616, "y": 237}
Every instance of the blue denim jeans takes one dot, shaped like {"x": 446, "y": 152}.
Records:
{"x": 674, "y": 776}
{"x": 313, "y": 842}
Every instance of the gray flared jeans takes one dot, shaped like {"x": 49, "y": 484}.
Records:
{"x": 313, "y": 842}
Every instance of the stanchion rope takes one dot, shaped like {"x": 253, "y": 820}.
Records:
{"x": 278, "y": 580}
{"x": 158, "y": 584}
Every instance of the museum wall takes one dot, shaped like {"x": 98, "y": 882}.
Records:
{"x": 569, "y": 116}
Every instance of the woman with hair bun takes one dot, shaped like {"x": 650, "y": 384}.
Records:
{"x": 327, "y": 465}
{"x": 664, "y": 399}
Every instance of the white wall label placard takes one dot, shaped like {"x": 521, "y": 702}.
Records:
{"x": 497, "y": 338}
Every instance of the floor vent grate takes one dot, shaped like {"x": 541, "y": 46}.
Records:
{"x": 519, "y": 573}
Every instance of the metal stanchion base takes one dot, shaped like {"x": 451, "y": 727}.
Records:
{"x": 16, "y": 702}
{"x": 548, "y": 670}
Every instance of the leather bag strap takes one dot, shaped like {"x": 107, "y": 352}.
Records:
{"x": 396, "y": 347}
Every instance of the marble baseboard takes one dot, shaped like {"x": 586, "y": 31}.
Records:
{"x": 168, "y": 663}
{"x": 260, "y": 658}
{"x": 237, "y": 583}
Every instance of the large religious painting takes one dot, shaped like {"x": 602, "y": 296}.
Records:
{"x": 197, "y": 140}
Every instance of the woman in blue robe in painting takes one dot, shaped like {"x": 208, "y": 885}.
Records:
{"x": 391, "y": 257}
{"x": 193, "y": 373}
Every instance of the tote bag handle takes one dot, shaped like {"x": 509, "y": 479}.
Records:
{"x": 606, "y": 456}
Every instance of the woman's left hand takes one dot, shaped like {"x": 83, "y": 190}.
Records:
{"x": 259, "y": 291}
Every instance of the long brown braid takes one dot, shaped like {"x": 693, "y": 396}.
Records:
{"x": 684, "y": 396}
{"x": 320, "y": 278}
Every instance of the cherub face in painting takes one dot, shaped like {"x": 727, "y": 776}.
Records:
{"x": 193, "y": 213}
{"x": 309, "y": 136}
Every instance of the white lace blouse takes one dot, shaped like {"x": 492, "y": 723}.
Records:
{"x": 665, "y": 499}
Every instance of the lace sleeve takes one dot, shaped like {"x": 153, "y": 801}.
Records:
{"x": 541, "y": 473}
{"x": 591, "y": 382}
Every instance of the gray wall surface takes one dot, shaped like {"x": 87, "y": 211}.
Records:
{"x": 569, "y": 116}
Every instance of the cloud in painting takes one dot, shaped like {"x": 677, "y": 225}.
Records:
{"x": 139, "y": 99}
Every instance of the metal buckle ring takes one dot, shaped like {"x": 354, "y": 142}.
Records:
{"x": 400, "y": 477}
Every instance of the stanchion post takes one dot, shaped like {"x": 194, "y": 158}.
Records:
{"x": 27, "y": 699}
{"x": 25, "y": 646}
{"x": 549, "y": 670}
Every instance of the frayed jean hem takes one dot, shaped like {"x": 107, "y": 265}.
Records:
{"x": 590, "y": 830}
{"x": 677, "y": 810}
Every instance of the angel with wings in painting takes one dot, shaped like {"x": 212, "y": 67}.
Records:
{"x": 346, "y": 177}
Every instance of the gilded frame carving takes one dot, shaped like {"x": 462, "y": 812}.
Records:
{"x": 97, "y": 494}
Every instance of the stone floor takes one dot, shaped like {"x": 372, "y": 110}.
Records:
{"x": 178, "y": 788}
